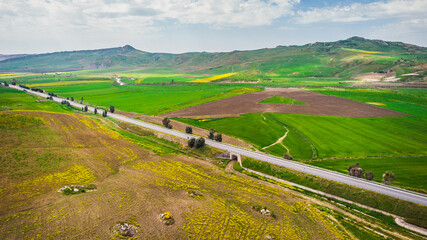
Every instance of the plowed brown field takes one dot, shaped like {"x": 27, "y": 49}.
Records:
{"x": 317, "y": 104}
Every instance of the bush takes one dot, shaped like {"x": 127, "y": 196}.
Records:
{"x": 200, "y": 142}
{"x": 188, "y": 130}
{"x": 388, "y": 177}
{"x": 166, "y": 123}
{"x": 288, "y": 156}
{"x": 218, "y": 137}
{"x": 211, "y": 134}
{"x": 369, "y": 175}
{"x": 112, "y": 109}
{"x": 191, "y": 142}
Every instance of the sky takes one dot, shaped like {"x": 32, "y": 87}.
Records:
{"x": 176, "y": 26}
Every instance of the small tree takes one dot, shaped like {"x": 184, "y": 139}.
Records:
{"x": 95, "y": 111}
{"x": 388, "y": 177}
{"x": 218, "y": 137}
{"x": 211, "y": 134}
{"x": 112, "y": 109}
{"x": 81, "y": 101}
{"x": 167, "y": 123}
{"x": 200, "y": 142}
{"x": 104, "y": 114}
{"x": 86, "y": 109}
{"x": 369, "y": 175}
{"x": 288, "y": 156}
{"x": 188, "y": 130}
{"x": 72, "y": 99}
{"x": 191, "y": 142}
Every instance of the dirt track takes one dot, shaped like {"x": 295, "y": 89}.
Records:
{"x": 317, "y": 104}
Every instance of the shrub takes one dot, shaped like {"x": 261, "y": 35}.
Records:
{"x": 188, "y": 130}
{"x": 167, "y": 123}
{"x": 112, "y": 109}
{"x": 191, "y": 142}
{"x": 218, "y": 137}
{"x": 200, "y": 142}
{"x": 369, "y": 175}
{"x": 288, "y": 156}
{"x": 388, "y": 177}
{"x": 211, "y": 134}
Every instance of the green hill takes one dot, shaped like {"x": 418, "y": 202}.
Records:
{"x": 344, "y": 58}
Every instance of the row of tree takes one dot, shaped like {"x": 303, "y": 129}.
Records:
{"x": 356, "y": 171}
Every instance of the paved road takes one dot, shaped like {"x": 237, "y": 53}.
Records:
{"x": 335, "y": 176}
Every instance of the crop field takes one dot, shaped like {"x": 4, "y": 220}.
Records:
{"x": 316, "y": 104}
{"x": 345, "y": 140}
{"x": 148, "y": 99}
{"x": 281, "y": 100}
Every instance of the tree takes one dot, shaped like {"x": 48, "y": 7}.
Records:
{"x": 112, "y": 109}
{"x": 191, "y": 142}
{"x": 104, "y": 114}
{"x": 200, "y": 142}
{"x": 72, "y": 99}
{"x": 81, "y": 101}
{"x": 288, "y": 156}
{"x": 95, "y": 111}
{"x": 211, "y": 134}
{"x": 86, "y": 108}
{"x": 188, "y": 130}
{"x": 355, "y": 171}
{"x": 388, "y": 177}
{"x": 167, "y": 123}
{"x": 6, "y": 84}
{"x": 218, "y": 137}
{"x": 369, "y": 175}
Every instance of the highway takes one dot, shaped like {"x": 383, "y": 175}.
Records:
{"x": 327, "y": 174}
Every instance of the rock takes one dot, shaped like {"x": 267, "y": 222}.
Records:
{"x": 125, "y": 229}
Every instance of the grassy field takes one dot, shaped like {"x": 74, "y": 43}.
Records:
{"x": 148, "y": 99}
{"x": 11, "y": 99}
{"x": 282, "y": 100}
{"x": 410, "y": 172}
{"x": 260, "y": 130}
{"x": 360, "y": 137}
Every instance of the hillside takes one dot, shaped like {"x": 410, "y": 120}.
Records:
{"x": 342, "y": 58}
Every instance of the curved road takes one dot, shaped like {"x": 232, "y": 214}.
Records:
{"x": 327, "y": 174}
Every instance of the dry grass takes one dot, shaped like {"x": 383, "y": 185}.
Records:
{"x": 133, "y": 182}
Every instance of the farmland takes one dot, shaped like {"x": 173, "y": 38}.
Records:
{"x": 304, "y": 102}
{"x": 134, "y": 181}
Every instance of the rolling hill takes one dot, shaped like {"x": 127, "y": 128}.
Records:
{"x": 342, "y": 58}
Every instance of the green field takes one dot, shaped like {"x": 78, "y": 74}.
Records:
{"x": 154, "y": 100}
{"x": 282, "y": 100}
{"x": 11, "y": 99}
{"x": 410, "y": 172}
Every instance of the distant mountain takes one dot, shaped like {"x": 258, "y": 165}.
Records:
{"x": 329, "y": 55}
{"x": 4, "y": 57}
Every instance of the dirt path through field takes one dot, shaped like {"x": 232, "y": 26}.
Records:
{"x": 317, "y": 104}
{"x": 280, "y": 141}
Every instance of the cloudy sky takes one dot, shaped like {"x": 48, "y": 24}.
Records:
{"x": 38, "y": 26}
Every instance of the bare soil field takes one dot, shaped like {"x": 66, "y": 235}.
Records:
{"x": 317, "y": 104}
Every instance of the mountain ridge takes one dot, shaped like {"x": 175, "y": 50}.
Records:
{"x": 128, "y": 57}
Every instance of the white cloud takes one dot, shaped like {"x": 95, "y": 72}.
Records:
{"x": 356, "y": 12}
{"x": 110, "y": 13}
